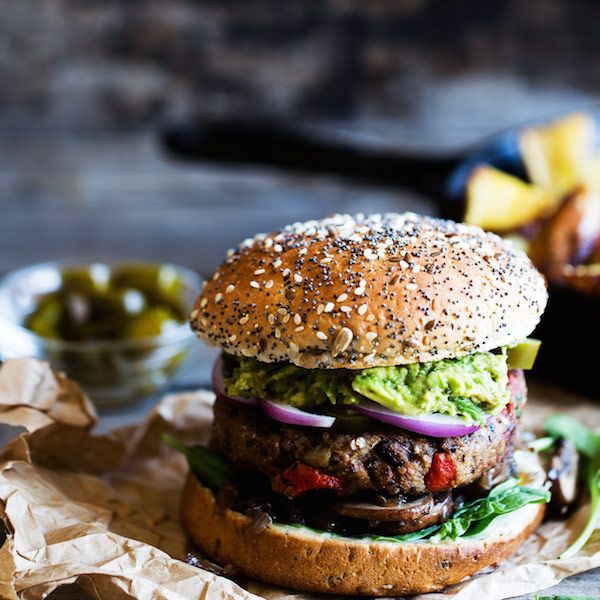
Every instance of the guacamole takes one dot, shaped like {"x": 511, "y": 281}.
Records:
{"x": 470, "y": 386}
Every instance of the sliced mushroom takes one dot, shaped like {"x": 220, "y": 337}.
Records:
{"x": 398, "y": 516}
{"x": 495, "y": 475}
{"x": 563, "y": 476}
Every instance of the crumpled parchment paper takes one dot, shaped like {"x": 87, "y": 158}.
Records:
{"x": 103, "y": 510}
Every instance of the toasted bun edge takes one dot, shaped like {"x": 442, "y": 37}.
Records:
{"x": 300, "y": 559}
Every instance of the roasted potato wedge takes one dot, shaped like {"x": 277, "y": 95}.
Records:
{"x": 558, "y": 156}
{"x": 500, "y": 202}
{"x": 569, "y": 236}
{"x": 584, "y": 278}
{"x": 593, "y": 175}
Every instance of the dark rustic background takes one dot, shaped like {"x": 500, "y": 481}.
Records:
{"x": 86, "y": 85}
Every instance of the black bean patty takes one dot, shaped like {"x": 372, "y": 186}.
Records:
{"x": 384, "y": 460}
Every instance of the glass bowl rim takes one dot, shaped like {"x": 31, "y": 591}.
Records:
{"x": 181, "y": 333}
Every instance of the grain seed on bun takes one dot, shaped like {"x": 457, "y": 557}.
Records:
{"x": 365, "y": 291}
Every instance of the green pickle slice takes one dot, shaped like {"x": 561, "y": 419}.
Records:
{"x": 131, "y": 302}
{"x": 523, "y": 355}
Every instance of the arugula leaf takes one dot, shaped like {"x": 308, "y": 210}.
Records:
{"x": 587, "y": 443}
{"x": 476, "y": 516}
{"x": 204, "y": 463}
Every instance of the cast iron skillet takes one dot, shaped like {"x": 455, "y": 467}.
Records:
{"x": 570, "y": 328}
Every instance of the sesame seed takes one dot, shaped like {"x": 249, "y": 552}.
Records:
{"x": 204, "y": 302}
{"x": 329, "y": 307}
{"x": 300, "y": 328}
{"x": 321, "y": 335}
{"x": 371, "y": 317}
{"x": 218, "y": 297}
{"x": 362, "y": 309}
{"x": 232, "y": 338}
{"x": 286, "y": 272}
{"x": 244, "y": 320}
{"x": 342, "y": 297}
{"x": 297, "y": 278}
{"x": 404, "y": 264}
{"x": 259, "y": 271}
{"x": 320, "y": 308}
{"x": 278, "y": 247}
{"x": 254, "y": 284}
{"x": 411, "y": 287}
{"x": 269, "y": 284}
{"x": 277, "y": 263}
{"x": 229, "y": 289}
{"x": 282, "y": 311}
{"x": 371, "y": 335}
{"x": 271, "y": 319}
{"x": 346, "y": 309}
{"x": 277, "y": 333}
{"x": 359, "y": 291}
{"x": 297, "y": 319}
{"x": 194, "y": 314}
{"x": 294, "y": 347}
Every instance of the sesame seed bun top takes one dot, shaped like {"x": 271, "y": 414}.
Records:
{"x": 365, "y": 291}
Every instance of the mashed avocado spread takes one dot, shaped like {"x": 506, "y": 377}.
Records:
{"x": 470, "y": 386}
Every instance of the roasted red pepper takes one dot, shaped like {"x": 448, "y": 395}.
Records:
{"x": 518, "y": 389}
{"x": 300, "y": 478}
{"x": 442, "y": 472}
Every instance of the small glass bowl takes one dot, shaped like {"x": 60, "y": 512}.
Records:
{"x": 111, "y": 372}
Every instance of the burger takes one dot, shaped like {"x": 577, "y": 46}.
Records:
{"x": 368, "y": 397}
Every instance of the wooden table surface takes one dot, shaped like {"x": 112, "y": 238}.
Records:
{"x": 118, "y": 197}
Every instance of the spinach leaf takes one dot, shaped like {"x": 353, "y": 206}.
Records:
{"x": 587, "y": 443}
{"x": 585, "y": 439}
{"x": 204, "y": 463}
{"x": 476, "y": 516}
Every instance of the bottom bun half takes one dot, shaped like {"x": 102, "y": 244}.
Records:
{"x": 299, "y": 558}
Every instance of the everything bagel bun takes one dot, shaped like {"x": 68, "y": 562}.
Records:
{"x": 365, "y": 291}
{"x": 299, "y": 558}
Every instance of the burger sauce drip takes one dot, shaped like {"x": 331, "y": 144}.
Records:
{"x": 300, "y": 478}
{"x": 442, "y": 472}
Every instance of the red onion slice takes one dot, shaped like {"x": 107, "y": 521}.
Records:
{"x": 434, "y": 425}
{"x": 284, "y": 413}
{"x": 219, "y": 387}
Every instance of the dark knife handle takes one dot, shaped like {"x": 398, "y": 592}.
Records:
{"x": 289, "y": 147}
